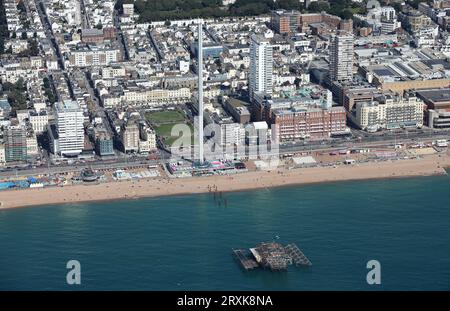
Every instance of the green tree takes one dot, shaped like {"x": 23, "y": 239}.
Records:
{"x": 319, "y": 6}
{"x": 397, "y": 6}
{"x": 33, "y": 47}
{"x": 288, "y": 4}
{"x": 346, "y": 14}
{"x": 414, "y": 3}
{"x": 46, "y": 82}
{"x": 16, "y": 94}
{"x": 21, "y": 7}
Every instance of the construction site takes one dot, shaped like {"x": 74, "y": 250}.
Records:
{"x": 271, "y": 255}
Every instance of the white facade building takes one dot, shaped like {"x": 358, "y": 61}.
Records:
{"x": 32, "y": 145}
{"x": 341, "y": 57}
{"x": 130, "y": 137}
{"x": 128, "y": 9}
{"x": 38, "y": 120}
{"x": 261, "y": 66}
{"x": 232, "y": 134}
{"x": 69, "y": 118}
{"x": 390, "y": 112}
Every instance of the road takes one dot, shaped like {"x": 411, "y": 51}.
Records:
{"x": 121, "y": 37}
{"x": 85, "y": 22}
{"x": 48, "y": 31}
{"x": 130, "y": 162}
{"x": 119, "y": 163}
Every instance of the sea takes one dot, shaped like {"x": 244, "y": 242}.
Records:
{"x": 185, "y": 242}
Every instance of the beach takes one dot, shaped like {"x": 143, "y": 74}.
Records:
{"x": 425, "y": 166}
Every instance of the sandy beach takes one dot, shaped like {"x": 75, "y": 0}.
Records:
{"x": 426, "y": 166}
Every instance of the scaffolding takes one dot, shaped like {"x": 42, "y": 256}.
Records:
{"x": 272, "y": 255}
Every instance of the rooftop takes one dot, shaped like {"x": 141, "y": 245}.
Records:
{"x": 4, "y": 104}
{"x": 435, "y": 95}
{"x": 67, "y": 105}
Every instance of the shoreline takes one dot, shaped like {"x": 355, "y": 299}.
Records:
{"x": 431, "y": 165}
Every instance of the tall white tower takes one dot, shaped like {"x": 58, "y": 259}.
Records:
{"x": 261, "y": 66}
{"x": 69, "y": 121}
{"x": 341, "y": 57}
{"x": 200, "y": 91}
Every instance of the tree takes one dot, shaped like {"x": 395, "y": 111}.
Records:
{"x": 16, "y": 94}
{"x": 346, "y": 14}
{"x": 33, "y": 47}
{"x": 319, "y": 6}
{"x": 46, "y": 83}
{"x": 49, "y": 91}
{"x": 397, "y": 6}
{"x": 139, "y": 6}
{"x": 414, "y": 3}
{"x": 20, "y": 85}
{"x": 21, "y": 7}
{"x": 288, "y": 4}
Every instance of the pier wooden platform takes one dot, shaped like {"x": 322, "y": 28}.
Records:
{"x": 271, "y": 255}
{"x": 245, "y": 258}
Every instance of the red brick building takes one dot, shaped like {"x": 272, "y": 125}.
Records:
{"x": 285, "y": 21}
{"x": 109, "y": 33}
{"x": 92, "y": 35}
{"x": 310, "y": 123}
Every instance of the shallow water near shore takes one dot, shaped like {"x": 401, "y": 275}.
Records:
{"x": 185, "y": 242}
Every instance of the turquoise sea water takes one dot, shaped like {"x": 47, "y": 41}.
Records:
{"x": 185, "y": 242}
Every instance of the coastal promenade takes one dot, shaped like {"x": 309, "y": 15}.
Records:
{"x": 426, "y": 166}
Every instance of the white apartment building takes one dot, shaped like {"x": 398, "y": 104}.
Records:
{"x": 93, "y": 57}
{"x": 388, "y": 26}
{"x": 130, "y": 137}
{"x": 148, "y": 145}
{"x": 151, "y": 97}
{"x": 128, "y": 9}
{"x": 341, "y": 57}
{"x": 231, "y": 134}
{"x": 147, "y": 142}
{"x": 389, "y": 112}
{"x": 13, "y": 74}
{"x": 385, "y": 12}
{"x": 111, "y": 72}
{"x": 69, "y": 122}
{"x": 38, "y": 120}
{"x": 261, "y": 66}
{"x": 32, "y": 145}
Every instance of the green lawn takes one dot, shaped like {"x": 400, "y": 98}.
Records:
{"x": 162, "y": 117}
{"x": 164, "y": 131}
